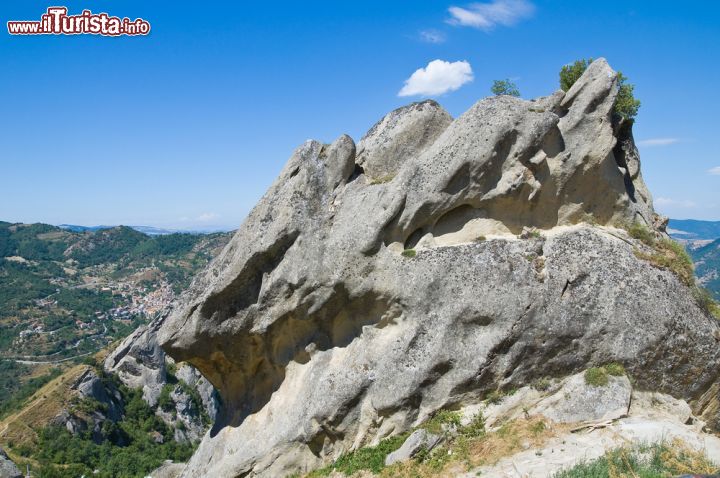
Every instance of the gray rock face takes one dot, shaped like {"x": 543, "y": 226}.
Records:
{"x": 321, "y": 336}
{"x": 577, "y": 401}
{"x": 89, "y": 385}
{"x": 168, "y": 470}
{"x": 185, "y": 416}
{"x": 139, "y": 362}
{"x": 400, "y": 135}
{"x": 8, "y": 469}
{"x": 208, "y": 395}
{"x": 417, "y": 441}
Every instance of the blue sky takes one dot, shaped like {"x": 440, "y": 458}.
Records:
{"x": 188, "y": 126}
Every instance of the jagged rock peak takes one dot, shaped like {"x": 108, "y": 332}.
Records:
{"x": 321, "y": 334}
{"x": 399, "y": 136}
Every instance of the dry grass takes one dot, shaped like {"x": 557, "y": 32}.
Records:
{"x": 19, "y": 428}
{"x": 383, "y": 179}
{"x": 672, "y": 256}
{"x": 644, "y": 461}
{"x": 665, "y": 253}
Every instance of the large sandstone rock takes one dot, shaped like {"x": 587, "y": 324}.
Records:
{"x": 400, "y": 135}
{"x": 321, "y": 336}
{"x": 578, "y": 401}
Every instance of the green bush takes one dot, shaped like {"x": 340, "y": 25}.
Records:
{"x": 164, "y": 401}
{"x": 494, "y": 397}
{"x": 615, "y": 369}
{"x": 626, "y": 105}
{"x": 569, "y": 74}
{"x": 596, "y": 376}
{"x": 476, "y": 427}
{"x": 368, "y": 458}
{"x": 409, "y": 253}
{"x": 441, "y": 420}
{"x": 504, "y": 87}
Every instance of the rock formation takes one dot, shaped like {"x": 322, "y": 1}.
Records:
{"x": 140, "y": 363}
{"x": 366, "y": 291}
{"x": 8, "y": 469}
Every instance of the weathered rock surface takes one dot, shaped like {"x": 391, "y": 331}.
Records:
{"x": 167, "y": 470}
{"x": 8, "y": 469}
{"x": 577, "y": 401}
{"x": 400, "y": 135}
{"x": 320, "y": 336}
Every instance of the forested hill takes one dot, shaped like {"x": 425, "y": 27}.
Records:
{"x": 65, "y": 295}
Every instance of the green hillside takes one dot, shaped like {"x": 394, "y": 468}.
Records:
{"x": 707, "y": 266}
{"x": 65, "y": 294}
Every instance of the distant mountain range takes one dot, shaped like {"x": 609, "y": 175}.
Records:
{"x": 694, "y": 230}
{"x": 149, "y": 230}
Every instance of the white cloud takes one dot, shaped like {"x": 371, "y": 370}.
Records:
{"x": 436, "y": 78}
{"x": 714, "y": 171}
{"x": 207, "y": 216}
{"x": 661, "y": 201}
{"x": 432, "y": 36}
{"x": 486, "y": 16}
{"x": 658, "y": 141}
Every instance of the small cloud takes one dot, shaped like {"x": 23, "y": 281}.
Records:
{"x": 485, "y": 16}
{"x": 661, "y": 201}
{"x": 714, "y": 171}
{"x": 658, "y": 141}
{"x": 207, "y": 216}
{"x": 436, "y": 78}
{"x": 432, "y": 36}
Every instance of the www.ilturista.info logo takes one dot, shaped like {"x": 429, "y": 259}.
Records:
{"x": 57, "y": 22}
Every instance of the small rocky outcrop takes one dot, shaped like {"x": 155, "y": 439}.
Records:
{"x": 577, "y": 401}
{"x": 419, "y": 440}
{"x": 368, "y": 289}
{"x": 192, "y": 402}
{"x": 90, "y": 386}
{"x": 95, "y": 401}
{"x": 139, "y": 362}
{"x": 184, "y": 414}
{"x": 8, "y": 469}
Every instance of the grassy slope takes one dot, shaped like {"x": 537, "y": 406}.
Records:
{"x": 20, "y": 428}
